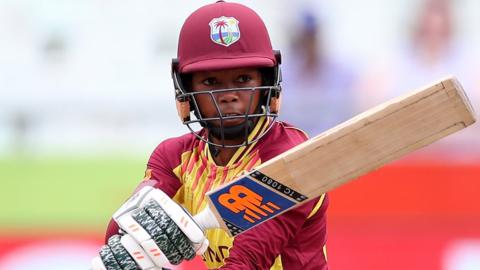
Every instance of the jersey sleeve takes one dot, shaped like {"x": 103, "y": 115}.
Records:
{"x": 160, "y": 166}
{"x": 159, "y": 173}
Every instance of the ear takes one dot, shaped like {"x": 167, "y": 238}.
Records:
{"x": 183, "y": 110}
{"x": 275, "y": 103}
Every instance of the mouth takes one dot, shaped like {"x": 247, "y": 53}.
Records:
{"x": 230, "y": 119}
{"x": 232, "y": 115}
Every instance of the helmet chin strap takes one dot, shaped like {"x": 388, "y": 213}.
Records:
{"x": 241, "y": 130}
{"x": 231, "y": 132}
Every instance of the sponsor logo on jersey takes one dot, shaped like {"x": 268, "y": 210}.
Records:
{"x": 216, "y": 254}
{"x": 224, "y": 30}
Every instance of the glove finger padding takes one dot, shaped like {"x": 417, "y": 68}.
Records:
{"x": 176, "y": 236}
{"x": 143, "y": 238}
{"x": 121, "y": 255}
{"x": 137, "y": 252}
{"x": 108, "y": 259}
{"x": 158, "y": 235}
{"x": 180, "y": 216}
{"x": 173, "y": 210}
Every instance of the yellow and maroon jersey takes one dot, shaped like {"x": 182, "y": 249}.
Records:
{"x": 183, "y": 167}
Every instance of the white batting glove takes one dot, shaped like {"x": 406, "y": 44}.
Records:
{"x": 122, "y": 253}
{"x": 156, "y": 226}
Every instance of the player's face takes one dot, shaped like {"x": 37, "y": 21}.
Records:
{"x": 230, "y": 103}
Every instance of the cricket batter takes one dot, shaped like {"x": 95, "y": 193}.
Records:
{"x": 227, "y": 79}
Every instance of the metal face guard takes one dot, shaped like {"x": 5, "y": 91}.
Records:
{"x": 268, "y": 107}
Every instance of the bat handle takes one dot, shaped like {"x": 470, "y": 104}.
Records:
{"x": 206, "y": 219}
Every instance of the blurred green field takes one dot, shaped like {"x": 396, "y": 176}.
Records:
{"x": 60, "y": 193}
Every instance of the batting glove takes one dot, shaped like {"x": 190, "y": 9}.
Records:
{"x": 158, "y": 231}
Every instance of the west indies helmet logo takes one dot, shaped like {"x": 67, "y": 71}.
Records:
{"x": 224, "y": 30}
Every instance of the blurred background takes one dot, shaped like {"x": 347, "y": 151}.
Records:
{"x": 86, "y": 95}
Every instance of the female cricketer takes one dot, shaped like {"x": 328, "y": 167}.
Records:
{"x": 227, "y": 81}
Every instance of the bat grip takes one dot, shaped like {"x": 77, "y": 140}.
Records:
{"x": 206, "y": 219}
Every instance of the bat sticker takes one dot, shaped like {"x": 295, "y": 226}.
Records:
{"x": 246, "y": 202}
{"x": 259, "y": 176}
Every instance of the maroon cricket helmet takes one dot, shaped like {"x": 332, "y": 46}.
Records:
{"x": 224, "y": 35}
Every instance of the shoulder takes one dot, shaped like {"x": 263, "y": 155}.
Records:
{"x": 176, "y": 143}
{"x": 284, "y": 133}
{"x": 281, "y": 137}
{"x": 292, "y": 132}
{"x": 170, "y": 150}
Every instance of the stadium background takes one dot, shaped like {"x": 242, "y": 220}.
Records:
{"x": 85, "y": 96}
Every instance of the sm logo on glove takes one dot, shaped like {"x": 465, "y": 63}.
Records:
{"x": 240, "y": 198}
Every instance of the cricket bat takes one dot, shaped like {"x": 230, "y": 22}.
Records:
{"x": 339, "y": 155}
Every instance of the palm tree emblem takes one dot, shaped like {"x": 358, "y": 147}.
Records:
{"x": 220, "y": 25}
{"x": 224, "y": 31}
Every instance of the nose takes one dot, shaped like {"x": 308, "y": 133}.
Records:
{"x": 227, "y": 97}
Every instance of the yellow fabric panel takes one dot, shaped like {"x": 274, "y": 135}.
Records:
{"x": 202, "y": 177}
{"x": 199, "y": 174}
{"x": 317, "y": 206}
{"x": 218, "y": 250}
{"x": 277, "y": 265}
{"x": 325, "y": 252}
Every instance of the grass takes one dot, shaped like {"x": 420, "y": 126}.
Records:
{"x": 65, "y": 192}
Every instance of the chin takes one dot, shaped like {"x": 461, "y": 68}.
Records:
{"x": 229, "y": 123}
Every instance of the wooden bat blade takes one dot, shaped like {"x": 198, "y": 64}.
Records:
{"x": 354, "y": 148}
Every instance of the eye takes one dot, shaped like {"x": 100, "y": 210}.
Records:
{"x": 209, "y": 81}
{"x": 244, "y": 78}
